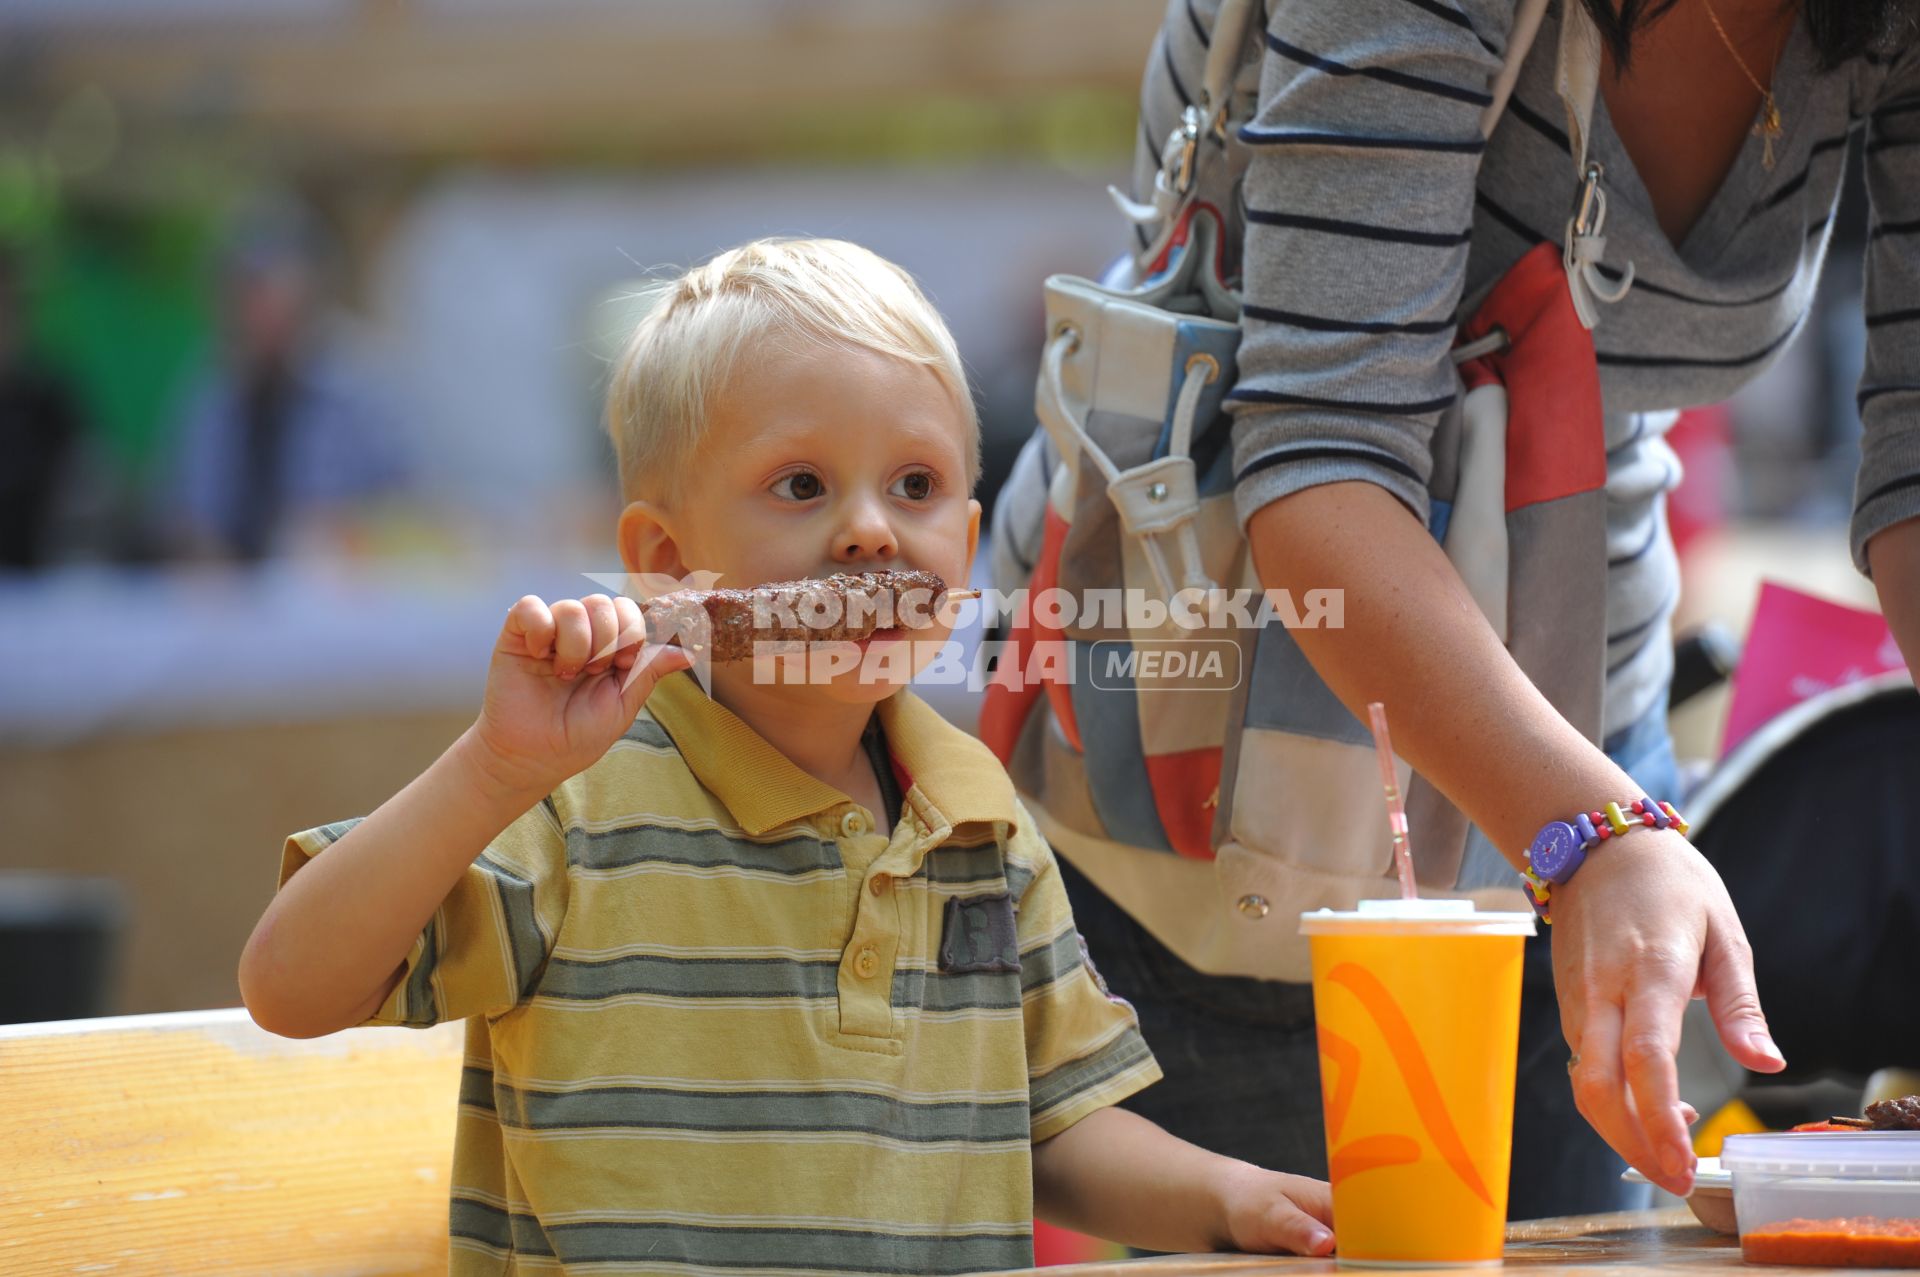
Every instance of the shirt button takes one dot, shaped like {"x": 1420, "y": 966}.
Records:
{"x": 881, "y": 884}
{"x": 853, "y": 824}
{"x": 866, "y": 962}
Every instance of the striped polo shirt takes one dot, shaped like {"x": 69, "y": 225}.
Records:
{"x": 716, "y": 1023}
{"x": 1375, "y": 215}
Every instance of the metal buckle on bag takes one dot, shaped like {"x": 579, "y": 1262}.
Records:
{"x": 1183, "y": 144}
{"x": 1217, "y": 122}
{"x": 1590, "y": 210}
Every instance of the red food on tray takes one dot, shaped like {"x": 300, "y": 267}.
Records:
{"x": 1863, "y": 1241}
{"x": 1902, "y": 1114}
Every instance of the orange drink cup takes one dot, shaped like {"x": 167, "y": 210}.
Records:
{"x": 1418, "y": 1006}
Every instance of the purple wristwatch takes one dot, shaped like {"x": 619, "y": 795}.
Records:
{"x": 1561, "y": 847}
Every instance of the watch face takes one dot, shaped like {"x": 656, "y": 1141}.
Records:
{"x": 1556, "y": 852}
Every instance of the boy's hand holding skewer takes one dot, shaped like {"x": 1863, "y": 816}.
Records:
{"x": 565, "y": 682}
{"x": 567, "y": 679}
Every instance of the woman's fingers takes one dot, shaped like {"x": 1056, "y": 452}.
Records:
{"x": 1600, "y": 1088}
{"x": 1658, "y": 990}
{"x": 1726, "y": 978}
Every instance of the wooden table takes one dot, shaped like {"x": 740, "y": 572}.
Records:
{"x": 1624, "y": 1244}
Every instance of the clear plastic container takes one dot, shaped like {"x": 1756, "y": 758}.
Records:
{"x": 1842, "y": 1199}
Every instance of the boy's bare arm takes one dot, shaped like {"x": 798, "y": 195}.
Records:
{"x": 564, "y": 684}
{"x": 1115, "y": 1174}
{"x": 331, "y": 944}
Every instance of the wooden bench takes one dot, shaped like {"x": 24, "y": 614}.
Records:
{"x": 199, "y": 1143}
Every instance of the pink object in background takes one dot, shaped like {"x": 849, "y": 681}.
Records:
{"x": 1797, "y": 647}
{"x": 1053, "y": 1246}
{"x": 1703, "y": 440}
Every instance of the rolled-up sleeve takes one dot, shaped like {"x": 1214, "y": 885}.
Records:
{"x": 1084, "y": 1049}
{"x": 1887, "y": 490}
{"x": 1364, "y": 153}
{"x": 485, "y": 946}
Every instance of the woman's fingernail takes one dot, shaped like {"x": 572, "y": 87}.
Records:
{"x": 1676, "y": 1163}
{"x": 1317, "y": 1238}
{"x": 1763, "y": 1043}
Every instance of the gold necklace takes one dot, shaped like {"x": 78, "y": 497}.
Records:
{"x": 1770, "y": 126}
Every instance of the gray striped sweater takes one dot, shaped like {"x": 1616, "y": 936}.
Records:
{"x": 1375, "y": 215}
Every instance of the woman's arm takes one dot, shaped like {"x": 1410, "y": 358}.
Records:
{"x": 1886, "y": 511}
{"x": 1644, "y": 925}
{"x": 1464, "y": 714}
{"x": 1895, "y": 556}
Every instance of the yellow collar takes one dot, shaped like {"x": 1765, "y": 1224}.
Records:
{"x": 955, "y": 779}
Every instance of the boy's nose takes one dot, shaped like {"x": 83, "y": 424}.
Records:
{"x": 866, "y": 534}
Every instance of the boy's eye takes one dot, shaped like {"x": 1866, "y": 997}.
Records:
{"x": 804, "y": 486}
{"x": 917, "y": 486}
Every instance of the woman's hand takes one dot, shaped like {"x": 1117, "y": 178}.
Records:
{"x": 1645, "y": 926}
{"x": 565, "y": 683}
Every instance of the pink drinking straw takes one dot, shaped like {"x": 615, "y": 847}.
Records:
{"x": 1396, "y": 813}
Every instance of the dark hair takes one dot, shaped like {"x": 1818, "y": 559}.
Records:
{"x": 1841, "y": 29}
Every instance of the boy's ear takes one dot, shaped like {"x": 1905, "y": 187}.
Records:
{"x": 647, "y": 542}
{"x": 973, "y": 537}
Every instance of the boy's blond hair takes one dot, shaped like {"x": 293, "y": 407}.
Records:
{"x": 793, "y": 292}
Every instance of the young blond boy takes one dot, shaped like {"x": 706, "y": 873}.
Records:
{"x": 780, "y": 979}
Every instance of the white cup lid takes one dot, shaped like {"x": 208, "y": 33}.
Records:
{"x": 1425, "y": 915}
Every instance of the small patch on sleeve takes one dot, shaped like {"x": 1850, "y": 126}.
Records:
{"x": 979, "y": 934}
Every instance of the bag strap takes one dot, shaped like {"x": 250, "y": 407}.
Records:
{"x": 1577, "y": 80}
{"x": 1526, "y": 25}
{"x": 1223, "y": 60}
{"x": 1156, "y": 500}
{"x": 1179, "y": 176}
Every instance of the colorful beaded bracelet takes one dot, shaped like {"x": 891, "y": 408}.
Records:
{"x": 1561, "y": 847}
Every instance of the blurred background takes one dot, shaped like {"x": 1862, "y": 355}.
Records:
{"x": 305, "y": 308}
{"x": 304, "y": 313}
